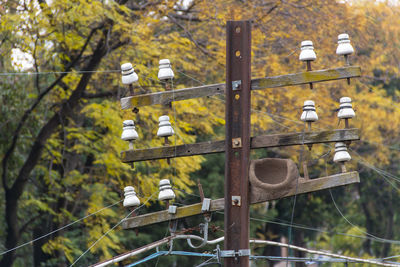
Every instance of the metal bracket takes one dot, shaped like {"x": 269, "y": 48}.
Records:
{"x": 206, "y": 205}
{"x": 236, "y": 85}
{"x": 232, "y": 253}
{"x": 236, "y": 142}
{"x": 236, "y": 201}
{"x": 172, "y": 209}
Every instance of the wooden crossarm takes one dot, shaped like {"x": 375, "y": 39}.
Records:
{"x": 264, "y": 141}
{"x": 218, "y": 204}
{"x": 256, "y": 84}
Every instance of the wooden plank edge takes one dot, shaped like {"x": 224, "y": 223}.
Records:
{"x": 321, "y": 183}
{"x": 309, "y": 186}
{"x": 263, "y": 141}
{"x": 162, "y": 216}
{"x": 316, "y": 76}
{"x": 256, "y": 84}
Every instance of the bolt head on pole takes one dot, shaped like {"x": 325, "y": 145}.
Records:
{"x": 131, "y": 200}
{"x": 165, "y": 71}
{"x": 165, "y": 129}
{"x": 341, "y": 154}
{"x": 344, "y": 46}
{"x": 307, "y": 51}
{"x": 129, "y": 131}
{"x": 346, "y": 109}
{"x": 129, "y": 75}
{"x": 309, "y": 114}
{"x": 166, "y": 192}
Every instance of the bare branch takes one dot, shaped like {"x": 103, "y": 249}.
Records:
{"x": 190, "y": 36}
{"x": 185, "y": 17}
{"x": 100, "y": 95}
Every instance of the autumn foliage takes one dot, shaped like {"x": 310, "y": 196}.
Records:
{"x": 60, "y": 131}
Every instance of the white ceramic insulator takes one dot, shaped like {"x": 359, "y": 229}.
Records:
{"x": 344, "y": 46}
{"x": 307, "y": 51}
{"x": 346, "y": 109}
{"x": 166, "y": 192}
{"x": 165, "y": 128}
{"x": 165, "y": 71}
{"x": 129, "y": 75}
{"x": 129, "y": 131}
{"x": 309, "y": 114}
{"x": 341, "y": 154}
{"x": 131, "y": 200}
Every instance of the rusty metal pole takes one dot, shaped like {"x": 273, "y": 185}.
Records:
{"x": 237, "y": 144}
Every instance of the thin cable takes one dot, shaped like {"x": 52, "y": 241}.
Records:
{"x": 56, "y": 72}
{"x": 207, "y": 262}
{"x": 358, "y": 229}
{"x": 59, "y": 229}
{"x": 379, "y": 171}
{"x": 190, "y": 77}
{"x": 165, "y": 235}
{"x": 176, "y": 127}
{"x": 98, "y": 240}
{"x": 310, "y": 228}
{"x": 370, "y": 166}
{"x": 295, "y": 197}
{"x": 273, "y": 243}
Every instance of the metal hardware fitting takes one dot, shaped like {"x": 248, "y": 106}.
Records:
{"x": 172, "y": 209}
{"x": 206, "y": 205}
{"x": 236, "y": 201}
{"x": 236, "y": 84}
{"x": 232, "y": 253}
{"x": 236, "y": 142}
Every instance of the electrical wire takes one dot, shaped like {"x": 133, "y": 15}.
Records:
{"x": 56, "y": 72}
{"x": 358, "y": 229}
{"x": 59, "y": 229}
{"x": 273, "y": 243}
{"x": 379, "y": 171}
{"x": 252, "y": 257}
{"x": 309, "y": 228}
{"x": 112, "y": 228}
{"x": 295, "y": 197}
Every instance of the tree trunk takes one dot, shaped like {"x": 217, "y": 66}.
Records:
{"x": 14, "y": 193}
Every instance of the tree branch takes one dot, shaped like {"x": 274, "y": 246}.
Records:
{"x": 22, "y": 121}
{"x": 100, "y": 95}
{"x": 14, "y": 193}
{"x": 189, "y": 35}
{"x": 185, "y": 17}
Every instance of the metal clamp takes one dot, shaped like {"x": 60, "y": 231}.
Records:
{"x": 236, "y": 142}
{"x": 172, "y": 209}
{"x": 234, "y": 254}
{"x": 236, "y": 84}
{"x": 206, "y": 205}
{"x": 236, "y": 201}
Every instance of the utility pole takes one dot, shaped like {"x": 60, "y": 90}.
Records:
{"x": 237, "y": 143}
{"x": 239, "y": 191}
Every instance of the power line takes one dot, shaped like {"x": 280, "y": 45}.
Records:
{"x": 358, "y": 229}
{"x": 310, "y": 228}
{"x": 59, "y": 229}
{"x": 56, "y": 72}
{"x": 261, "y": 242}
{"x": 98, "y": 240}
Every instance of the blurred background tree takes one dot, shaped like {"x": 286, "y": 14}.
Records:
{"x": 61, "y": 129}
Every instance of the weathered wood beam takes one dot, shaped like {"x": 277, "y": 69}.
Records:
{"x": 264, "y": 141}
{"x": 306, "y": 77}
{"x": 218, "y": 204}
{"x": 256, "y": 84}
